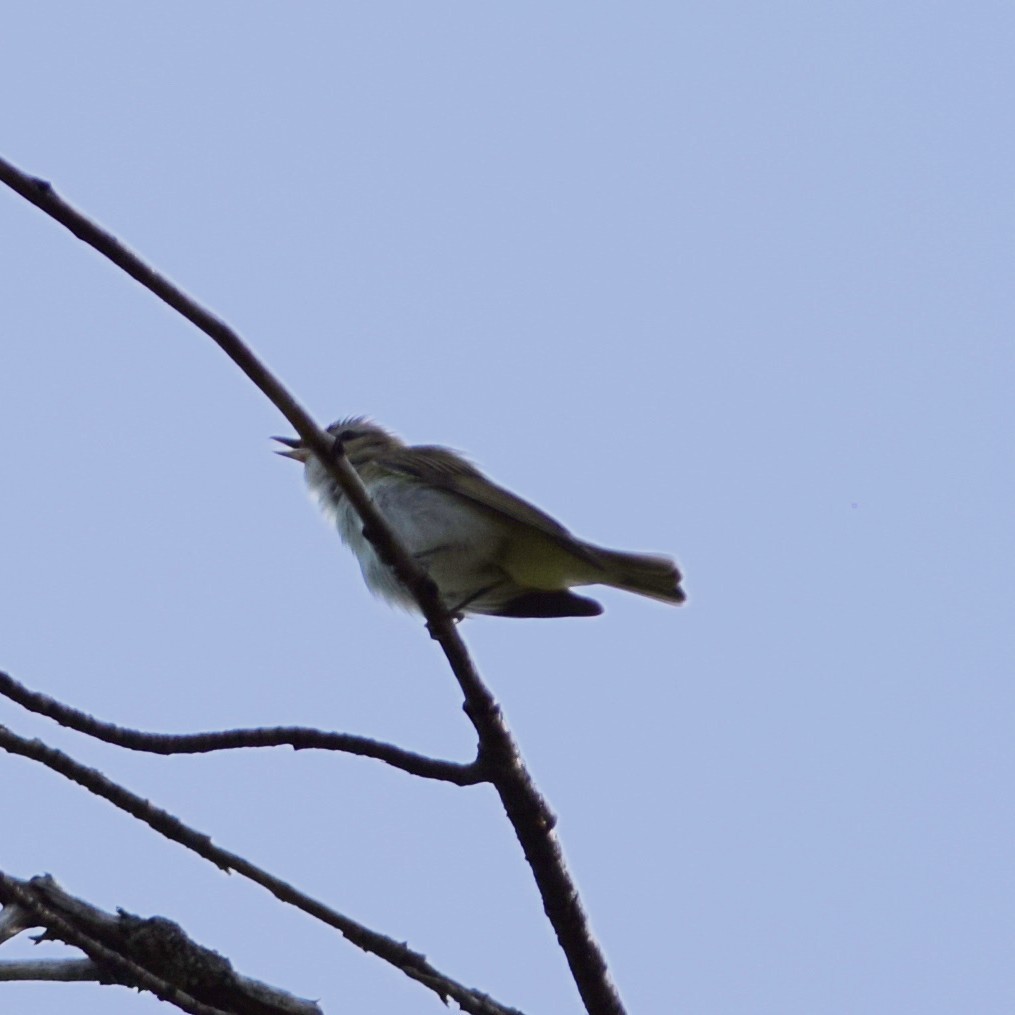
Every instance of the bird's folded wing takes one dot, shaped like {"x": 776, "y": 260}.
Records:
{"x": 446, "y": 470}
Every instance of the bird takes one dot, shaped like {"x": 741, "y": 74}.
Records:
{"x": 488, "y": 551}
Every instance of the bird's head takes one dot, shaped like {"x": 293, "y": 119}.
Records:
{"x": 361, "y": 439}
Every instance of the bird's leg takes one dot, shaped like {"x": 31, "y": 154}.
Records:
{"x": 456, "y": 618}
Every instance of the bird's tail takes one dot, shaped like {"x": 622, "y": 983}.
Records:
{"x": 644, "y": 573}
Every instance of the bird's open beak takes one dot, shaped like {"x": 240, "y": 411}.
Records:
{"x": 296, "y": 451}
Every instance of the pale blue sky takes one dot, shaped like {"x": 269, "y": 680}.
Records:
{"x": 726, "y": 280}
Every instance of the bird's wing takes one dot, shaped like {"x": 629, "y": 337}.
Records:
{"x": 447, "y": 470}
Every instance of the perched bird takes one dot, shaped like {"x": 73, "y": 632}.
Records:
{"x": 487, "y": 550}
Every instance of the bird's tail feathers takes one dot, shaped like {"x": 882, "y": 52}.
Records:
{"x": 645, "y": 573}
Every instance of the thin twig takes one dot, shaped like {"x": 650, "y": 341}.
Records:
{"x": 298, "y": 737}
{"x": 412, "y": 963}
{"x": 526, "y": 809}
{"x": 57, "y": 970}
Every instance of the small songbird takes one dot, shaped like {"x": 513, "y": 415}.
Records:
{"x": 487, "y": 550}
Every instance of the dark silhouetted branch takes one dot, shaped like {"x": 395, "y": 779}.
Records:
{"x": 119, "y": 967}
{"x": 298, "y": 737}
{"x": 156, "y": 944}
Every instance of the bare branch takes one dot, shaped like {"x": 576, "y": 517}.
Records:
{"x": 121, "y": 969}
{"x": 412, "y": 964}
{"x": 157, "y": 945}
{"x": 297, "y": 737}
{"x": 56, "y": 970}
{"x": 525, "y": 807}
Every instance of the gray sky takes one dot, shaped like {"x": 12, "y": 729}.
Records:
{"x": 730, "y": 281}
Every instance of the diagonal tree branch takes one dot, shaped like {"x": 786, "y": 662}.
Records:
{"x": 412, "y": 963}
{"x": 297, "y": 737}
{"x": 525, "y": 807}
